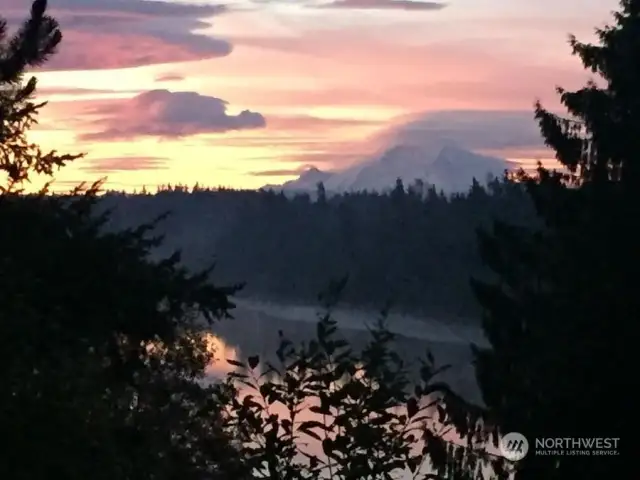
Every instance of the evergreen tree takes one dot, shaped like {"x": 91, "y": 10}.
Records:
{"x": 321, "y": 193}
{"x": 101, "y": 347}
{"x": 560, "y": 318}
{"x": 31, "y": 46}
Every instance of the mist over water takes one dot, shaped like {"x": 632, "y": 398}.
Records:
{"x": 254, "y": 331}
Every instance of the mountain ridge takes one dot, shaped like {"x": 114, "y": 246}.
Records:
{"x": 447, "y": 167}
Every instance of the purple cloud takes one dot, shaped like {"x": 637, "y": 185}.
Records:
{"x": 103, "y": 34}
{"x": 166, "y": 114}
{"x": 384, "y": 5}
{"x": 471, "y": 129}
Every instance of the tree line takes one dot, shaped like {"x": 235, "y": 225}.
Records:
{"x": 414, "y": 247}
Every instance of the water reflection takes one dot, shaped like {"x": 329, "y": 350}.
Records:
{"x": 221, "y": 351}
{"x": 254, "y": 331}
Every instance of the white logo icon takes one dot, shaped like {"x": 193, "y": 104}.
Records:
{"x": 514, "y": 446}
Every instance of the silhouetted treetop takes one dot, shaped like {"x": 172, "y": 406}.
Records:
{"x": 102, "y": 346}
{"x": 601, "y": 130}
{"x": 562, "y": 312}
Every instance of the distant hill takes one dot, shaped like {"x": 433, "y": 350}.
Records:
{"x": 449, "y": 168}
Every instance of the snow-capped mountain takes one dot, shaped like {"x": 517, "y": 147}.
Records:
{"x": 455, "y": 168}
{"x": 448, "y": 168}
{"x": 306, "y": 182}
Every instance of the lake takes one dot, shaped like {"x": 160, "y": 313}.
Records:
{"x": 254, "y": 331}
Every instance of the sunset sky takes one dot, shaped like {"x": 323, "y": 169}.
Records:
{"x": 250, "y": 92}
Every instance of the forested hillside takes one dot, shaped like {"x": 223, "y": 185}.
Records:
{"x": 414, "y": 246}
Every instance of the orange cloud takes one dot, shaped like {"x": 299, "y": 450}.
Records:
{"x": 111, "y": 165}
{"x": 169, "y": 77}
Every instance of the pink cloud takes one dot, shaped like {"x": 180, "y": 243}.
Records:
{"x": 104, "y": 50}
{"x": 101, "y": 34}
{"x": 385, "y": 5}
{"x": 348, "y": 70}
{"x": 166, "y": 114}
{"x": 45, "y": 90}
{"x": 492, "y": 68}
{"x": 476, "y": 130}
{"x": 332, "y": 156}
{"x": 309, "y": 123}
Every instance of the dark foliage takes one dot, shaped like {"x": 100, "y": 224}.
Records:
{"x": 560, "y": 318}
{"x": 325, "y": 410}
{"x": 101, "y": 346}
